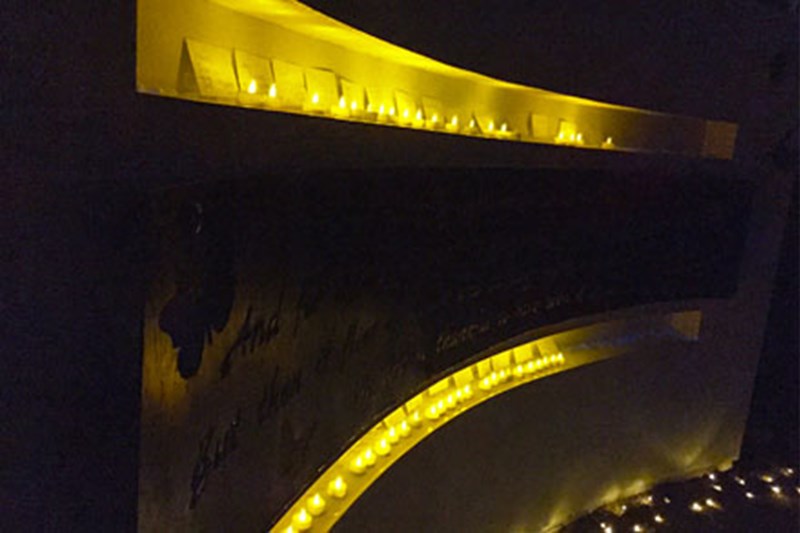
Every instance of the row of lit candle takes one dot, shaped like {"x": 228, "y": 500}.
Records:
{"x": 773, "y": 482}
{"x": 413, "y": 116}
{"x": 347, "y": 478}
{"x": 411, "y": 423}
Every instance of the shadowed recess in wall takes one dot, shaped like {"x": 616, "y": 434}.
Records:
{"x": 204, "y": 285}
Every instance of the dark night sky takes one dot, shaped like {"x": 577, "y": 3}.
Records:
{"x": 698, "y": 58}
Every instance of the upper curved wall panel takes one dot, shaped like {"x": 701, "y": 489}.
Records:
{"x": 281, "y": 55}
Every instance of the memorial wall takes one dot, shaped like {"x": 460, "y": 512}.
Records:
{"x": 291, "y": 314}
{"x": 272, "y": 272}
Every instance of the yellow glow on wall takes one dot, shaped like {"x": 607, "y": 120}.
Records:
{"x": 338, "y": 487}
{"x": 280, "y": 55}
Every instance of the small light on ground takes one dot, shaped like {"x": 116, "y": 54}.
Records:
{"x": 713, "y": 503}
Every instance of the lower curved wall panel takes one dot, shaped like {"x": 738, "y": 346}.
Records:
{"x": 541, "y": 454}
{"x": 459, "y": 392}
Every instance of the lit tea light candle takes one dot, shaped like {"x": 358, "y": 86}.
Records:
{"x": 337, "y": 488}
{"x": 432, "y": 412}
{"x": 383, "y": 448}
{"x": 357, "y": 465}
{"x": 302, "y": 520}
{"x": 369, "y": 457}
{"x": 404, "y": 429}
{"x": 316, "y": 505}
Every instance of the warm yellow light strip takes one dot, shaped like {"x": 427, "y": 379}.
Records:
{"x": 329, "y": 497}
{"x": 366, "y": 460}
{"x": 283, "y": 56}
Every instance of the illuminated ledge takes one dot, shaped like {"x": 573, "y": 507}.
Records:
{"x": 281, "y": 55}
{"x": 338, "y": 487}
